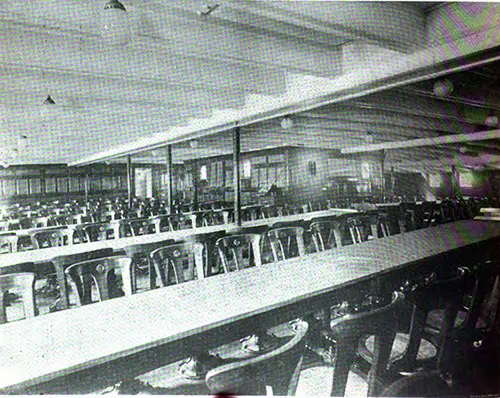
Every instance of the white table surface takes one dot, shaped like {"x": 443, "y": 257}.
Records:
{"x": 53, "y": 345}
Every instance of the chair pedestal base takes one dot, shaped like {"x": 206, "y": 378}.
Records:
{"x": 195, "y": 368}
{"x": 258, "y": 343}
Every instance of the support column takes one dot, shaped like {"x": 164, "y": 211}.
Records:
{"x": 86, "y": 186}
{"x": 170, "y": 196}
{"x": 130, "y": 181}
{"x": 455, "y": 182}
{"x": 382, "y": 174}
{"x": 196, "y": 184}
{"x": 236, "y": 175}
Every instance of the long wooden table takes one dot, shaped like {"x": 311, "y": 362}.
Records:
{"x": 102, "y": 343}
{"x": 45, "y": 255}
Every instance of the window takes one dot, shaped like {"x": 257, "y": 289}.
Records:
{"x": 50, "y": 185}
{"x": 22, "y": 186}
{"x": 203, "y": 173}
{"x": 35, "y": 185}
{"x": 62, "y": 184}
{"x": 74, "y": 185}
{"x": 247, "y": 169}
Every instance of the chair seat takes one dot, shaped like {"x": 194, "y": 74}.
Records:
{"x": 426, "y": 350}
{"x": 435, "y": 319}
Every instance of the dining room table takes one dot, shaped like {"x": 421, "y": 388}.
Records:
{"x": 91, "y": 347}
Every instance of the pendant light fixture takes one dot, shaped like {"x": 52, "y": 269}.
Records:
{"x": 49, "y": 101}
{"x": 115, "y": 27}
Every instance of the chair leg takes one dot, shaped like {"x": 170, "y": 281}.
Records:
{"x": 381, "y": 353}
{"x": 341, "y": 367}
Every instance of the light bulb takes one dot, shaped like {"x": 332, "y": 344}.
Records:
{"x": 443, "y": 88}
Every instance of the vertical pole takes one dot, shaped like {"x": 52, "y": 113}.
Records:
{"x": 382, "y": 174}
{"x": 196, "y": 184}
{"x": 236, "y": 174}
{"x": 170, "y": 175}
{"x": 86, "y": 187}
{"x": 130, "y": 182}
{"x": 393, "y": 182}
{"x": 455, "y": 182}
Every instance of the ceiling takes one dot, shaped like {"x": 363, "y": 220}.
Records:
{"x": 186, "y": 66}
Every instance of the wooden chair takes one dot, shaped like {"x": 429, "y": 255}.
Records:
{"x": 142, "y": 227}
{"x": 213, "y": 263}
{"x": 326, "y": 235}
{"x": 356, "y": 229}
{"x": 278, "y": 370}
{"x": 60, "y": 264}
{"x": 101, "y": 231}
{"x": 141, "y": 259}
{"x": 8, "y": 243}
{"x": 107, "y": 216}
{"x": 51, "y": 238}
{"x": 348, "y": 329}
{"x": 382, "y": 223}
{"x": 239, "y": 251}
{"x": 179, "y": 221}
{"x": 101, "y": 272}
{"x": 363, "y": 227}
{"x": 39, "y": 222}
{"x": 161, "y": 223}
{"x": 286, "y": 242}
{"x": 179, "y": 263}
{"x": 412, "y": 348}
{"x": 21, "y": 285}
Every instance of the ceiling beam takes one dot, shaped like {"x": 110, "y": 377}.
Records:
{"x": 353, "y": 21}
{"x": 431, "y": 141}
{"x": 140, "y": 63}
{"x": 376, "y": 117}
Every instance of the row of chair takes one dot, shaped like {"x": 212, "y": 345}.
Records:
{"x": 231, "y": 252}
{"x": 172, "y": 263}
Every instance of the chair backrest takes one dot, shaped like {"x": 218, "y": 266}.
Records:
{"x": 382, "y": 224}
{"x": 8, "y": 243}
{"x": 21, "y": 284}
{"x": 100, "y": 272}
{"x": 161, "y": 223}
{"x": 239, "y": 251}
{"x": 209, "y": 217}
{"x": 140, "y": 255}
{"x": 179, "y": 263}
{"x": 361, "y": 227}
{"x": 39, "y": 222}
{"x": 60, "y": 264}
{"x": 348, "y": 329}
{"x": 51, "y": 238}
{"x": 107, "y": 216}
{"x": 326, "y": 235}
{"x": 278, "y": 369}
{"x": 270, "y": 212}
{"x": 286, "y": 242}
{"x": 101, "y": 231}
{"x": 179, "y": 221}
{"x": 433, "y": 293}
{"x": 142, "y": 227}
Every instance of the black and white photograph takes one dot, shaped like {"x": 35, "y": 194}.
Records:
{"x": 250, "y": 198}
